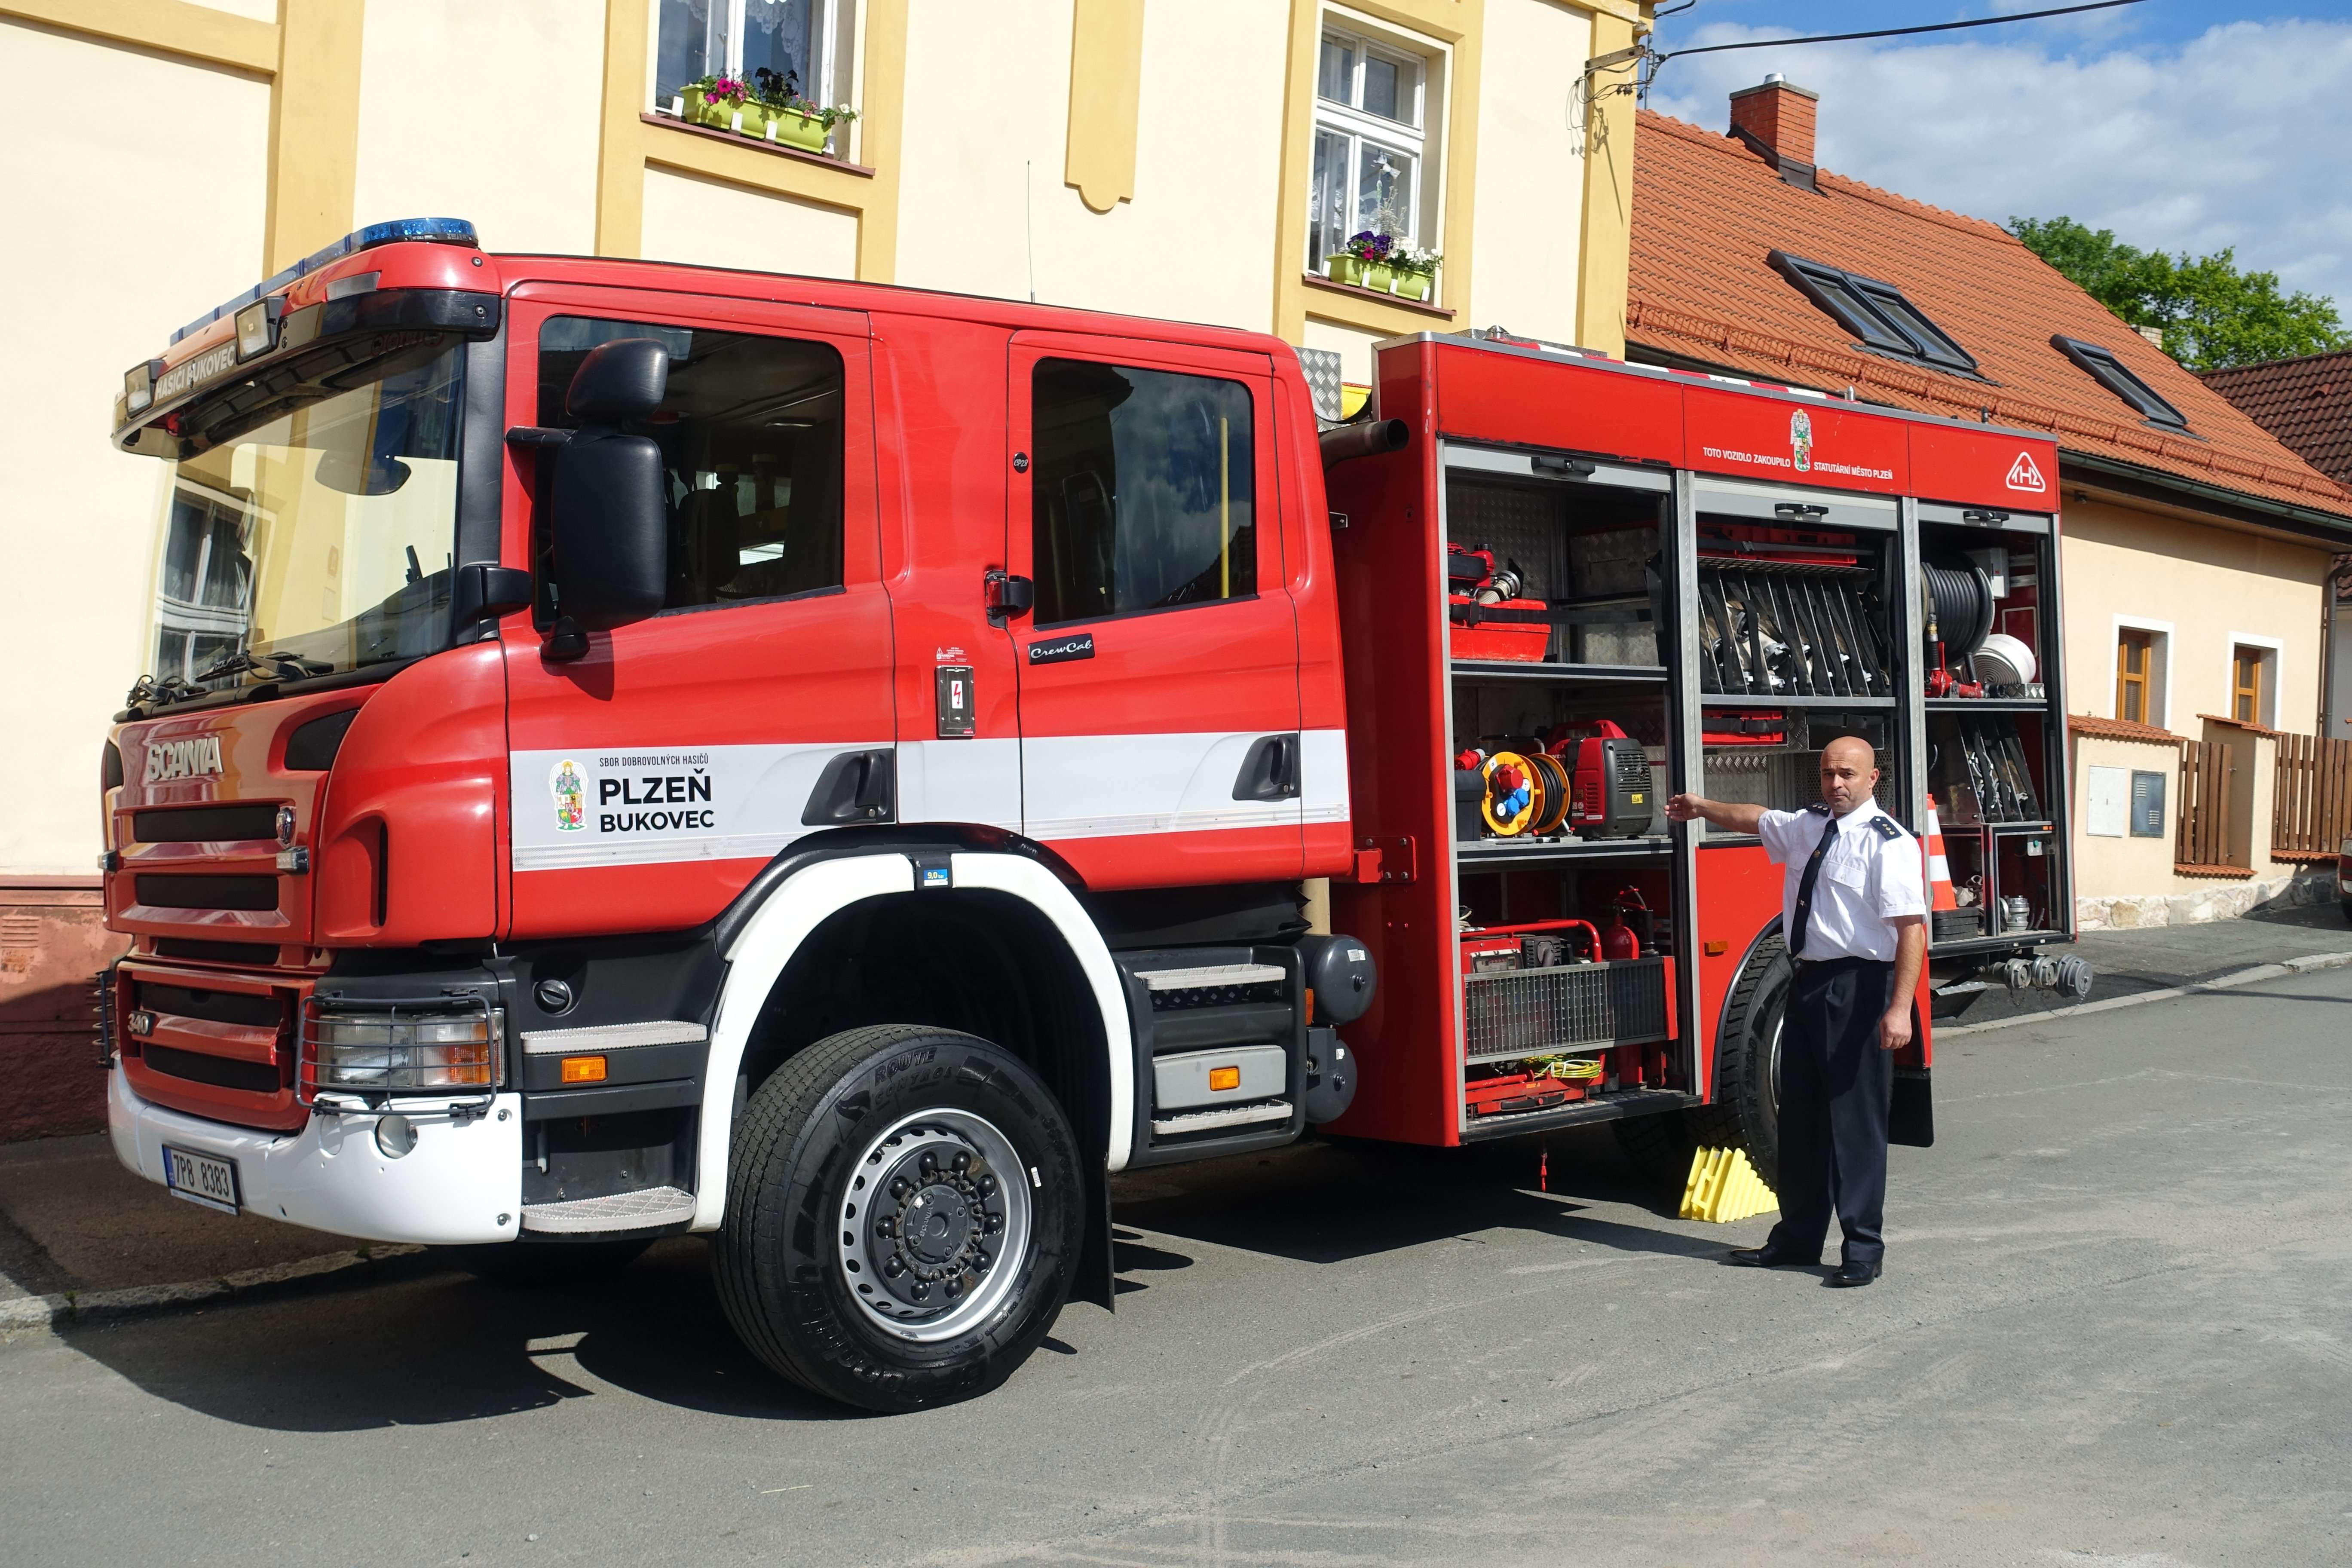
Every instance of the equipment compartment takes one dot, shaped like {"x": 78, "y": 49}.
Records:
{"x": 1544, "y": 573}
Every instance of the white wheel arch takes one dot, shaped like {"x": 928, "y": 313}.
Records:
{"x": 810, "y": 896}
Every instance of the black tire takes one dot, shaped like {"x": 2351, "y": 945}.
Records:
{"x": 1658, "y": 1146}
{"x": 1746, "y": 1111}
{"x": 545, "y": 1265}
{"x": 848, "y": 1111}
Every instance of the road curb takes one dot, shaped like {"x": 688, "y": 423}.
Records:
{"x": 74, "y": 1308}
{"x": 2306, "y": 965}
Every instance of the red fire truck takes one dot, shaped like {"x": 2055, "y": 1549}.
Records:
{"x": 638, "y": 749}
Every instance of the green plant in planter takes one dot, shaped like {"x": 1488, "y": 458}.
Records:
{"x": 1416, "y": 271}
{"x": 796, "y": 121}
{"x": 1370, "y": 252}
{"x": 714, "y": 101}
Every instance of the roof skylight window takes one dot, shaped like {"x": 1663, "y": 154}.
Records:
{"x": 2109, "y": 372}
{"x": 1875, "y": 312}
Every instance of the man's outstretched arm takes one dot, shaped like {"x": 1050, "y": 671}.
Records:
{"x": 1730, "y": 819}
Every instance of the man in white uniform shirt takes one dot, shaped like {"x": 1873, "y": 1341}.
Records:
{"x": 1853, "y": 913}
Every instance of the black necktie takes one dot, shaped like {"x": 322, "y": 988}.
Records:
{"x": 1805, "y": 886}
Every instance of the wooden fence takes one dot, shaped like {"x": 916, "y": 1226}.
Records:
{"x": 2311, "y": 799}
{"x": 2204, "y": 833}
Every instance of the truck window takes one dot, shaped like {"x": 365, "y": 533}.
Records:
{"x": 1143, "y": 493}
{"x": 752, "y": 435}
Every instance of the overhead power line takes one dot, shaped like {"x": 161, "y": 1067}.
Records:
{"x": 1897, "y": 31}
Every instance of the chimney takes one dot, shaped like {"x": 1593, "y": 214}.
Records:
{"x": 1776, "y": 119}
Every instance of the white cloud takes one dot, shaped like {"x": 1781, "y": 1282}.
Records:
{"x": 2236, "y": 138}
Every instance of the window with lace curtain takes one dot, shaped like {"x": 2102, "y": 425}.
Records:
{"x": 694, "y": 38}
{"x": 1372, "y": 108}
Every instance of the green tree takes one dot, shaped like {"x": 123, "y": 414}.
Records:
{"x": 2213, "y": 315}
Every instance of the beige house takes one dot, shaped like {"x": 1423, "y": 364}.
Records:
{"x": 1197, "y": 159}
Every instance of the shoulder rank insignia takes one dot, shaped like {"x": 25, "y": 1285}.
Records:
{"x": 1888, "y": 828}
{"x": 1819, "y": 808}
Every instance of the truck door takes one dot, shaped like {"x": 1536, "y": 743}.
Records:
{"x": 1158, "y": 656}
{"x": 652, "y": 777}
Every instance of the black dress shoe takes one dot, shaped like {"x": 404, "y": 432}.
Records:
{"x": 1850, "y": 1275}
{"x": 1771, "y": 1256}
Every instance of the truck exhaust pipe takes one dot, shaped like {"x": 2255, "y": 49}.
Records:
{"x": 1351, "y": 441}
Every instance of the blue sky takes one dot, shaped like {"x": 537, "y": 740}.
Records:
{"x": 2180, "y": 124}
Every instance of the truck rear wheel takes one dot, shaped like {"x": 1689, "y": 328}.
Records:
{"x": 1746, "y": 1111}
{"x": 905, "y": 1208}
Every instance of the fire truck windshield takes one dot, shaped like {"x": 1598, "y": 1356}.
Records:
{"x": 317, "y": 541}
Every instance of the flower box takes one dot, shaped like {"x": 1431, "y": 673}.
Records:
{"x": 1380, "y": 278}
{"x": 1412, "y": 285}
{"x": 793, "y": 128}
{"x": 1343, "y": 269}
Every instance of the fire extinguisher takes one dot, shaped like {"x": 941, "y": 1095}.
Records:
{"x": 1618, "y": 940}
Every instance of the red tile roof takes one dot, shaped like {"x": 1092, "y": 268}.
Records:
{"x": 2121, "y": 730}
{"x": 2307, "y": 403}
{"x": 1707, "y": 211}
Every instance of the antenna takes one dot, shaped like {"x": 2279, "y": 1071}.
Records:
{"x": 1029, "y": 227}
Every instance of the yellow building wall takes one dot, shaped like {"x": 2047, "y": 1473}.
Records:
{"x": 713, "y": 223}
{"x": 487, "y": 112}
{"x": 2211, "y": 585}
{"x": 1529, "y": 225}
{"x": 114, "y": 243}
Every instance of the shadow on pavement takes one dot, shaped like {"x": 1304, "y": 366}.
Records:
{"x": 1332, "y": 1202}
{"x": 442, "y": 1346}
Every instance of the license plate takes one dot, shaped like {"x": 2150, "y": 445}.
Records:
{"x": 205, "y": 1179}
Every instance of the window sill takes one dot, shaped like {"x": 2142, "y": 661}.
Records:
{"x": 1359, "y": 292}
{"x": 2183, "y": 868}
{"x": 773, "y": 149}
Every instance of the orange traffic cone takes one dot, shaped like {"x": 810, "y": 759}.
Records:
{"x": 1940, "y": 870}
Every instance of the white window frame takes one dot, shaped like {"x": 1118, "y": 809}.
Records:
{"x": 2160, "y": 675}
{"x": 827, "y": 49}
{"x": 2273, "y": 657}
{"x": 1418, "y": 139}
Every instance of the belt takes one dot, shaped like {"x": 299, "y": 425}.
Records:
{"x": 1823, "y": 966}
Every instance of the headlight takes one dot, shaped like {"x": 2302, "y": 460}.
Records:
{"x": 398, "y": 1048}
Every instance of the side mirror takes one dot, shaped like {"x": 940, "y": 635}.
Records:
{"x": 609, "y": 515}
{"x": 624, "y": 379}
{"x": 609, "y": 525}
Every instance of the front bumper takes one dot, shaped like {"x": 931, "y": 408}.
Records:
{"x": 462, "y": 1183}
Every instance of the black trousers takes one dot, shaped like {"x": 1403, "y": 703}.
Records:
{"x": 1834, "y": 1086}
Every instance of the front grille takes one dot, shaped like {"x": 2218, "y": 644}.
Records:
{"x": 160, "y": 892}
{"x": 205, "y": 824}
{"x": 214, "y": 1006}
{"x": 1515, "y": 1012}
{"x": 217, "y": 951}
{"x": 221, "y": 1072}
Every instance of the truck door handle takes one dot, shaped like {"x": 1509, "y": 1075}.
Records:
{"x": 1270, "y": 769}
{"x": 1008, "y": 596}
{"x": 856, "y": 787}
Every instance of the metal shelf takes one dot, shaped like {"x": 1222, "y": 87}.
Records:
{"x": 1606, "y": 1107}
{"x": 1494, "y": 852}
{"x": 1718, "y": 699}
{"x": 1988, "y": 704}
{"x": 1508, "y": 669}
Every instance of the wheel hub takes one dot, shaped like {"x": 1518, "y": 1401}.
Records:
{"x": 926, "y": 1219}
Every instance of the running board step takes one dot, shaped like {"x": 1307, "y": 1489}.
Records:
{"x": 619, "y": 1211}
{"x": 1207, "y": 1120}
{"x": 1204, "y": 975}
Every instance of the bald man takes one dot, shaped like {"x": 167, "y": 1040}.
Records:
{"x": 1854, "y": 914}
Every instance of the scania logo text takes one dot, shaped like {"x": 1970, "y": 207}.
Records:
{"x": 168, "y": 760}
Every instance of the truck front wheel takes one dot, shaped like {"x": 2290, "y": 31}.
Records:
{"x": 905, "y": 1208}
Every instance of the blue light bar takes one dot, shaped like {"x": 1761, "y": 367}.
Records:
{"x": 438, "y": 231}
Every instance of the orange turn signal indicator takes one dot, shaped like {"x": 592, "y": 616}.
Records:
{"x": 583, "y": 1069}
{"x": 1225, "y": 1077}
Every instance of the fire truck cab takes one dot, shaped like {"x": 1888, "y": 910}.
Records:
{"x": 848, "y": 769}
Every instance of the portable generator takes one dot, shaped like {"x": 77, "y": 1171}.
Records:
{"x": 1614, "y": 793}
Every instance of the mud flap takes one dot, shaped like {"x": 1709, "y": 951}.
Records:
{"x": 1911, "y": 1113}
{"x": 1097, "y": 1281}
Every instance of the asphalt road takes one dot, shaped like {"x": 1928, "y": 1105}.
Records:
{"x": 2116, "y": 1327}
